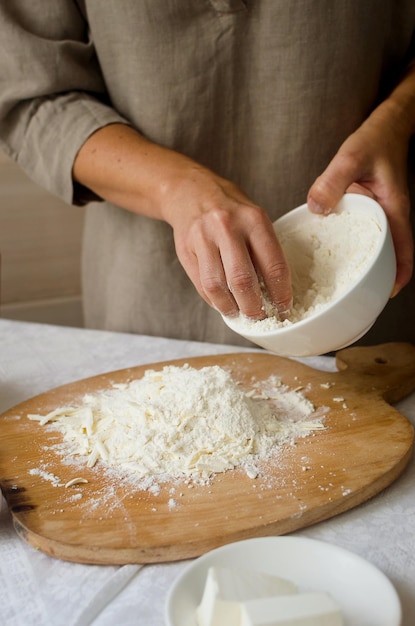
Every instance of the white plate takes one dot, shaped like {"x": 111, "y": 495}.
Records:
{"x": 364, "y": 594}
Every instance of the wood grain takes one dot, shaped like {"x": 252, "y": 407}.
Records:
{"x": 365, "y": 447}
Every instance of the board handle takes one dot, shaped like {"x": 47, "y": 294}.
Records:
{"x": 388, "y": 367}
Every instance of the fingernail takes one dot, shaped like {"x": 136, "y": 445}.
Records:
{"x": 284, "y": 314}
{"x": 317, "y": 208}
{"x": 314, "y": 207}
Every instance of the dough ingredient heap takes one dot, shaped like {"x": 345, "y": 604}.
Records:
{"x": 326, "y": 258}
{"x": 182, "y": 421}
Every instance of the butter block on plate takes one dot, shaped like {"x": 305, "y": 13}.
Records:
{"x": 227, "y": 588}
{"x": 303, "y": 609}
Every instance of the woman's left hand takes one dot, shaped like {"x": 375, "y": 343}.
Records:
{"x": 373, "y": 161}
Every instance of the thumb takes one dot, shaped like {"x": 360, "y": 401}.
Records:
{"x": 329, "y": 188}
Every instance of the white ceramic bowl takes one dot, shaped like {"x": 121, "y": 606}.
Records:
{"x": 351, "y": 313}
{"x": 362, "y": 592}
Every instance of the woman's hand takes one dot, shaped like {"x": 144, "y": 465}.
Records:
{"x": 373, "y": 161}
{"x": 227, "y": 245}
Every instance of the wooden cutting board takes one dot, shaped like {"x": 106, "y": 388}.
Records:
{"x": 364, "y": 448}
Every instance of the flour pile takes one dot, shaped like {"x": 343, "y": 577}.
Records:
{"x": 326, "y": 257}
{"x": 182, "y": 421}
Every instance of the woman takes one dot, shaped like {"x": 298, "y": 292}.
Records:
{"x": 188, "y": 126}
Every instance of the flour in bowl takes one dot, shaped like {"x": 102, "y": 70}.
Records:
{"x": 326, "y": 258}
{"x": 183, "y": 421}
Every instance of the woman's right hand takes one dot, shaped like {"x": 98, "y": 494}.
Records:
{"x": 227, "y": 245}
{"x": 225, "y": 242}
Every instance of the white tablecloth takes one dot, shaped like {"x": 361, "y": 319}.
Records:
{"x": 41, "y": 591}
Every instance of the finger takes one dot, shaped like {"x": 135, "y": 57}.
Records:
{"x": 273, "y": 268}
{"x": 242, "y": 278}
{"x": 329, "y": 188}
{"x": 404, "y": 270}
{"x": 397, "y": 210}
{"x": 207, "y": 274}
{"x": 227, "y": 280}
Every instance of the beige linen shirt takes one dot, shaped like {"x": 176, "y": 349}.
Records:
{"x": 261, "y": 91}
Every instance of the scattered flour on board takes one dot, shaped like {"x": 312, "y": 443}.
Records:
{"x": 54, "y": 480}
{"x": 325, "y": 258}
{"x": 184, "y": 422}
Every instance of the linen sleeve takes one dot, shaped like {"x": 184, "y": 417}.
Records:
{"x": 52, "y": 92}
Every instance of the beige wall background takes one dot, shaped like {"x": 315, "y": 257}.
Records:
{"x": 40, "y": 247}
